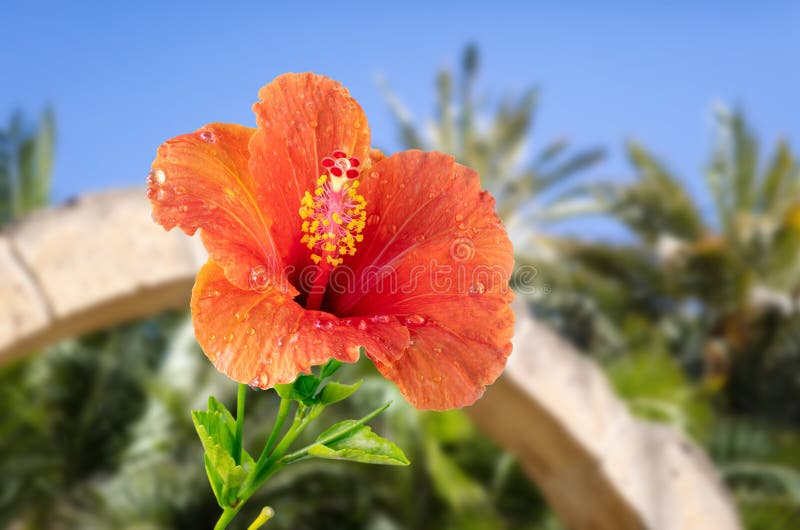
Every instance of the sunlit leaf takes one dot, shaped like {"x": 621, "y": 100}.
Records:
{"x": 358, "y": 445}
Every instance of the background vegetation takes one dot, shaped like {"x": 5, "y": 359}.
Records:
{"x": 695, "y": 319}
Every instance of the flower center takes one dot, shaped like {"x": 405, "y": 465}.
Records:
{"x": 333, "y": 216}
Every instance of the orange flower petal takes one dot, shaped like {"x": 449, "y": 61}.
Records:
{"x": 448, "y": 365}
{"x": 435, "y": 254}
{"x": 202, "y": 180}
{"x": 301, "y": 118}
{"x": 265, "y": 338}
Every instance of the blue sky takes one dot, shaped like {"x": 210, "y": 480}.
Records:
{"x": 125, "y": 78}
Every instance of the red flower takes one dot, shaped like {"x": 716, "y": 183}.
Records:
{"x": 319, "y": 246}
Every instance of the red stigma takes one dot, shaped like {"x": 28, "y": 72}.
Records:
{"x": 338, "y": 165}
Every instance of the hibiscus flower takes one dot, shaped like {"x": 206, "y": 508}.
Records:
{"x": 321, "y": 248}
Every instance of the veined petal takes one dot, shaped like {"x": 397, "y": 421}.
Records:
{"x": 301, "y": 119}
{"x": 449, "y": 364}
{"x": 202, "y": 180}
{"x": 435, "y": 254}
{"x": 265, "y": 338}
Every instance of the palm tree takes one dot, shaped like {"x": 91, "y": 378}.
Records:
{"x": 494, "y": 140}
{"x": 26, "y": 162}
{"x": 718, "y": 296}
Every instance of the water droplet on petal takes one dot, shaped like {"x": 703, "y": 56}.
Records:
{"x": 373, "y": 219}
{"x": 251, "y": 331}
{"x": 362, "y": 325}
{"x": 415, "y": 320}
{"x": 156, "y": 177}
{"x": 477, "y": 289}
{"x": 179, "y": 190}
{"x": 208, "y": 136}
{"x": 383, "y": 319}
{"x": 241, "y": 316}
{"x": 258, "y": 279}
{"x": 228, "y": 337}
{"x": 183, "y": 208}
{"x": 459, "y": 217}
{"x": 159, "y": 194}
{"x": 324, "y": 324}
{"x": 260, "y": 381}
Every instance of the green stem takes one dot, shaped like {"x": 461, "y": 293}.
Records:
{"x": 237, "y": 445}
{"x": 227, "y": 516}
{"x": 268, "y": 464}
{"x": 272, "y": 460}
{"x": 283, "y": 413}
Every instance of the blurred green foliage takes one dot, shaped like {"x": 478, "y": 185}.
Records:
{"x": 26, "y": 163}
{"x": 95, "y": 434}
{"x": 697, "y": 319}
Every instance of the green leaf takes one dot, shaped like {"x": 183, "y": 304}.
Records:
{"x": 35, "y": 164}
{"x": 777, "y": 180}
{"x": 303, "y": 389}
{"x": 214, "y": 405}
{"x": 358, "y": 445}
{"x": 215, "y": 427}
{"x": 330, "y": 368}
{"x": 334, "y": 392}
{"x": 552, "y": 150}
{"x": 574, "y": 164}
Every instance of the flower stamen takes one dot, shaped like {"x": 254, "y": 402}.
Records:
{"x": 334, "y": 215}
